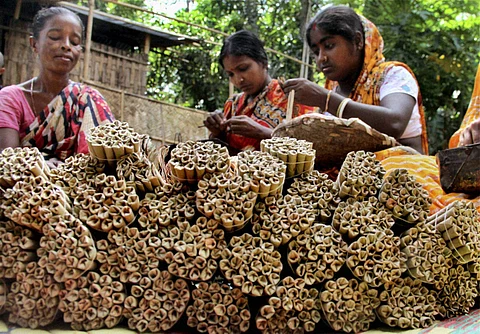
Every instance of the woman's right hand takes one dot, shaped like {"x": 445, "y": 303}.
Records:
{"x": 471, "y": 134}
{"x": 215, "y": 123}
{"x": 306, "y": 92}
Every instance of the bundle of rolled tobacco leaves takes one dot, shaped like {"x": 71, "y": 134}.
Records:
{"x": 229, "y": 200}
{"x": 360, "y": 175}
{"x": 293, "y": 307}
{"x": 157, "y": 302}
{"x": 406, "y": 303}
{"x": 252, "y": 265}
{"x": 265, "y": 172}
{"x": 375, "y": 258}
{"x": 405, "y": 198}
{"x": 19, "y": 163}
{"x": 278, "y": 220}
{"x": 318, "y": 192}
{"x": 111, "y": 141}
{"x": 348, "y": 304}
{"x": 317, "y": 254}
{"x": 190, "y": 160}
{"x": 217, "y": 308}
{"x": 298, "y": 154}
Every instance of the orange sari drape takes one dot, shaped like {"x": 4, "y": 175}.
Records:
{"x": 425, "y": 168}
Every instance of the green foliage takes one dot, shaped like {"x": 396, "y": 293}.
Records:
{"x": 438, "y": 39}
{"x": 199, "y": 78}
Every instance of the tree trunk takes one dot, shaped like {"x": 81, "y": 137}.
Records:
{"x": 251, "y": 14}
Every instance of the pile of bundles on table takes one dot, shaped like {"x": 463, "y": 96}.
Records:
{"x": 258, "y": 241}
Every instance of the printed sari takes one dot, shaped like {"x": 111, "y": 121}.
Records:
{"x": 268, "y": 108}
{"x": 425, "y": 168}
{"x": 61, "y": 128}
{"x": 367, "y": 87}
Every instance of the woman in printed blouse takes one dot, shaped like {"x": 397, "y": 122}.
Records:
{"x": 360, "y": 83}
{"x": 50, "y": 111}
{"x": 250, "y": 116}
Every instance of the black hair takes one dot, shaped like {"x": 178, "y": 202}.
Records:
{"x": 244, "y": 43}
{"x": 336, "y": 20}
{"x": 46, "y": 14}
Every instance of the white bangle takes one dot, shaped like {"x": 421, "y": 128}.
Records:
{"x": 341, "y": 107}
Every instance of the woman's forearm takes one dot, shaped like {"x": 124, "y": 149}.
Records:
{"x": 390, "y": 118}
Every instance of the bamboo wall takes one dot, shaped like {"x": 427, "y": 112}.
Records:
{"x": 163, "y": 122}
{"x": 108, "y": 65}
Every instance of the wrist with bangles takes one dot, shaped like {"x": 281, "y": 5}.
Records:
{"x": 341, "y": 107}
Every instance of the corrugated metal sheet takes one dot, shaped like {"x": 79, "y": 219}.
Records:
{"x": 132, "y": 33}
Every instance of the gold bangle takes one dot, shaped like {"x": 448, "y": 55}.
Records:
{"x": 328, "y": 100}
{"x": 341, "y": 107}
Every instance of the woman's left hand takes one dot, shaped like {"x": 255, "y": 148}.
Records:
{"x": 247, "y": 127}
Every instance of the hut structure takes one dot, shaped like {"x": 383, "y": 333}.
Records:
{"x": 115, "y": 62}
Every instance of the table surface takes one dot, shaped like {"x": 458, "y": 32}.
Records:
{"x": 467, "y": 324}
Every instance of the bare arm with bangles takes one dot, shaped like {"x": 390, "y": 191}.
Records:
{"x": 390, "y": 117}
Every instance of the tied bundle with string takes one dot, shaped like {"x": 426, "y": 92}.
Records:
{"x": 293, "y": 307}
{"x": 317, "y": 254}
{"x": 265, "y": 172}
{"x": 348, "y": 304}
{"x": 459, "y": 225}
{"x": 136, "y": 169}
{"x": 279, "y": 219}
{"x": 360, "y": 176}
{"x": 356, "y": 218}
{"x": 159, "y": 305}
{"x": 111, "y": 204}
{"x": 252, "y": 265}
{"x": 428, "y": 257}
{"x": 226, "y": 198}
{"x": 194, "y": 255}
{"x": 405, "y": 198}
{"x": 298, "y": 154}
{"x": 17, "y": 246}
{"x": 33, "y": 201}
{"x": 217, "y": 308}
{"x": 190, "y": 160}
{"x": 406, "y": 303}
{"x": 317, "y": 192}
{"x": 19, "y": 163}
{"x": 77, "y": 174}
{"x": 93, "y": 301}
{"x": 375, "y": 258}
{"x": 111, "y": 141}
{"x": 34, "y": 298}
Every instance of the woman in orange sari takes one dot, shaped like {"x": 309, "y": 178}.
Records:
{"x": 250, "y": 116}
{"x": 360, "y": 83}
{"x": 425, "y": 168}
